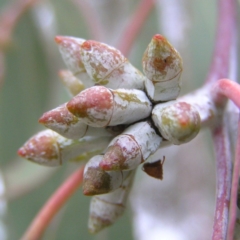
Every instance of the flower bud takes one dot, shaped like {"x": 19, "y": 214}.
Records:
{"x": 72, "y": 83}
{"x": 105, "y": 209}
{"x": 66, "y": 124}
{"x": 131, "y": 148}
{"x": 178, "y": 122}
{"x": 99, "y": 106}
{"x": 107, "y": 66}
{"x": 162, "y": 65}
{"x": 70, "y": 48}
{"x": 51, "y": 149}
{"x": 96, "y": 181}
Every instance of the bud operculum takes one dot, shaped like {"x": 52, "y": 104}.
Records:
{"x": 177, "y": 122}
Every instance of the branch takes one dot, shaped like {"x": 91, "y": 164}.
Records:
{"x": 224, "y": 39}
{"x": 224, "y": 173}
{"x": 225, "y": 88}
{"x": 135, "y": 25}
{"x": 234, "y": 192}
{"x": 220, "y": 69}
{"x": 50, "y": 209}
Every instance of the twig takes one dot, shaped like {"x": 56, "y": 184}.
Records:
{"x": 224, "y": 173}
{"x": 225, "y": 88}
{"x": 224, "y": 39}
{"x": 135, "y": 25}
{"x": 234, "y": 192}
{"x": 220, "y": 69}
{"x": 49, "y": 210}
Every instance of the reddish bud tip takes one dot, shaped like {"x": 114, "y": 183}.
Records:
{"x": 113, "y": 159}
{"x": 159, "y": 37}
{"x": 22, "y": 152}
{"x": 94, "y": 105}
{"x": 41, "y": 148}
{"x": 58, "y": 39}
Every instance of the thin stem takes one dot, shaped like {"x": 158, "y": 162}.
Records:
{"x": 220, "y": 69}
{"x": 49, "y": 210}
{"x": 135, "y": 25}
{"x": 225, "y": 88}
{"x": 224, "y": 39}
{"x": 233, "y": 206}
{"x": 224, "y": 173}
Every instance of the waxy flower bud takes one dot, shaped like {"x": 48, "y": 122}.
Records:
{"x": 178, "y": 122}
{"x": 99, "y": 106}
{"x": 51, "y": 149}
{"x": 66, "y": 124}
{"x": 107, "y": 66}
{"x": 72, "y": 83}
{"x": 162, "y": 65}
{"x": 131, "y": 148}
{"x": 70, "y": 49}
{"x": 105, "y": 209}
{"x": 96, "y": 181}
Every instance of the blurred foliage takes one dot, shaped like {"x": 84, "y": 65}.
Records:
{"x": 30, "y": 89}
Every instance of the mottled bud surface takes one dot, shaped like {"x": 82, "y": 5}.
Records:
{"x": 162, "y": 65}
{"x": 177, "y": 122}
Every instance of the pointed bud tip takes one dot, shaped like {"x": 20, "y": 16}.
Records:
{"x": 159, "y": 37}
{"x": 58, "y": 39}
{"x": 21, "y": 152}
{"x": 43, "y": 119}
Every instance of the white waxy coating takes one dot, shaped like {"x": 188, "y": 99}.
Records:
{"x": 95, "y": 178}
{"x": 131, "y": 148}
{"x": 129, "y": 106}
{"x": 163, "y": 91}
{"x": 51, "y": 149}
{"x": 178, "y": 122}
{"x": 108, "y": 67}
{"x": 70, "y": 50}
{"x": 146, "y": 137}
{"x": 106, "y": 208}
{"x": 162, "y": 66}
{"x": 100, "y": 59}
{"x": 125, "y": 76}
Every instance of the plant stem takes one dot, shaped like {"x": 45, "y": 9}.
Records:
{"x": 220, "y": 69}
{"x": 224, "y": 39}
{"x": 224, "y": 174}
{"x": 225, "y": 88}
{"x": 135, "y": 25}
{"x": 49, "y": 210}
{"x": 233, "y": 206}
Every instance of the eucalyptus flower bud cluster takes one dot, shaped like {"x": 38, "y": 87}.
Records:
{"x": 115, "y": 120}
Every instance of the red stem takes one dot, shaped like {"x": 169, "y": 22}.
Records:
{"x": 49, "y": 210}
{"x": 220, "y": 69}
{"x": 135, "y": 25}
{"x": 224, "y": 174}
{"x": 224, "y": 39}
{"x": 225, "y": 88}
{"x": 233, "y": 206}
